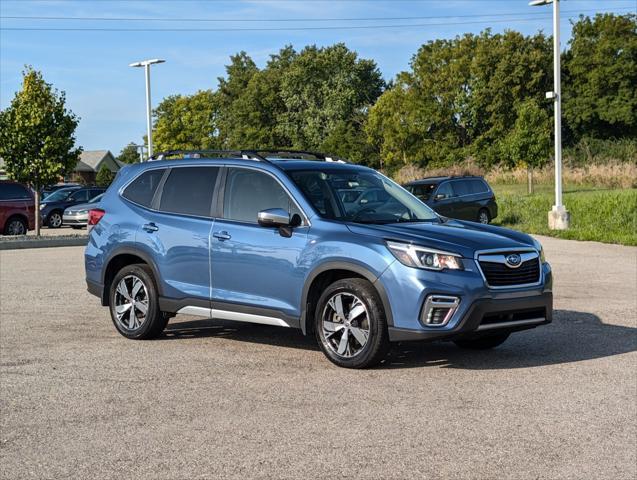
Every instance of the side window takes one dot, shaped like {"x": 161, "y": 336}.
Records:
{"x": 189, "y": 190}
{"x": 80, "y": 196}
{"x": 445, "y": 189}
{"x": 249, "y": 191}
{"x": 461, "y": 187}
{"x": 13, "y": 191}
{"x": 478, "y": 186}
{"x": 142, "y": 189}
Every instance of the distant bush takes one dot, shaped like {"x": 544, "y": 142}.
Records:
{"x": 590, "y": 151}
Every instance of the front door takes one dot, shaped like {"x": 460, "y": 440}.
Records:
{"x": 255, "y": 269}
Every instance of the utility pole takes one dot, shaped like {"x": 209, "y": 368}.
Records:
{"x": 149, "y": 122}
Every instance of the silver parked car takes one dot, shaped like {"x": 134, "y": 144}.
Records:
{"x": 77, "y": 215}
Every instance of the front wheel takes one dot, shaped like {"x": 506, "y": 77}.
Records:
{"x": 134, "y": 303}
{"x": 483, "y": 216}
{"x": 350, "y": 324}
{"x": 55, "y": 220}
{"x": 483, "y": 343}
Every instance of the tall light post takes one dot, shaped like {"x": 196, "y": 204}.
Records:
{"x": 149, "y": 123}
{"x": 558, "y": 216}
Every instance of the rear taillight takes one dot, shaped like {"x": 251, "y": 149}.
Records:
{"x": 95, "y": 215}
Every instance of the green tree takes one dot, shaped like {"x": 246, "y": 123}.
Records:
{"x": 188, "y": 122}
{"x": 104, "y": 177}
{"x": 600, "y": 85}
{"x": 129, "y": 154}
{"x": 37, "y": 135}
{"x": 528, "y": 144}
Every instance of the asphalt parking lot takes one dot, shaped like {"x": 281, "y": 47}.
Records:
{"x": 227, "y": 400}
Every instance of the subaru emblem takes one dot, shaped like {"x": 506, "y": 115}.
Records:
{"x": 513, "y": 260}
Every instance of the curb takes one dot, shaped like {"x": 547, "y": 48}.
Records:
{"x": 75, "y": 241}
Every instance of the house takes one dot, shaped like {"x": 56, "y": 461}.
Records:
{"x": 90, "y": 163}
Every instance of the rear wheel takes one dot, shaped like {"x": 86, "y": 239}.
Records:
{"x": 15, "y": 226}
{"x": 134, "y": 303}
{"x": 483, "y": 216}
{"x": 483, "y": 343}
{"x": 350, "y": 324}
{"x": 55, "y": 220}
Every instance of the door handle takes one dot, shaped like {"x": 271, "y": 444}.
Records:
{"x": 222, "y": 235}
{"x": 150, "y": 227}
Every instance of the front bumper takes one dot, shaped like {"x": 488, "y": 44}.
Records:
{"x": 488, "y": 315}
{"x": 75, "y": 220}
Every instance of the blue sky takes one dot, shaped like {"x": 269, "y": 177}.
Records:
{"x": 92, "y": 66}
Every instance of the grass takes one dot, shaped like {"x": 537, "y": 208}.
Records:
{"x": 608, "y": 216}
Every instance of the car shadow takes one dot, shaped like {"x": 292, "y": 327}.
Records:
{"x": 572, "y": 337}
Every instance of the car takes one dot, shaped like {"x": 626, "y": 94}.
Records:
{"x": 49, "y": 189}
{"x": 464, "y": 198}
{"x": 253, "y": 237}
{"x": 77, "y": 215}
{"x": 17, "y": 208}
{"x": 52, "y": 207}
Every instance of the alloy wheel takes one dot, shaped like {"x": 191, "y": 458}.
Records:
{"x": 131, "y": 302}
{"x": 346, "y": 326}
{"x": 56, "y": 220}
{"x": 16, "y": 227}
{"x": 483, "y": 217}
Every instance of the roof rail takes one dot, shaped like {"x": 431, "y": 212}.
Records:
{"x": 285, "y": 154}
{"x": 245, "y": 154}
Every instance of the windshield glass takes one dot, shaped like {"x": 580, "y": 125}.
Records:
{"x": 59, "y": 195}
{"x": 361, "y": 196}
{"x": 423, "y": 190}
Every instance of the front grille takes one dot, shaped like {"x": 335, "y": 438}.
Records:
{"x": 500, "y": 275}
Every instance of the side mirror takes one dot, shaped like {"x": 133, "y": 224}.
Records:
{"x": 273, "y": 217}
{"x": 440, "y": 196}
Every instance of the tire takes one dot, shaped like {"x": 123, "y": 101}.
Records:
{"x": 366, "y": 338}
{"x": 54, "y": 220}
{"x": 483, "y": 343}
{"x": 15, "y": 226}
{"x": 483, "y": 216}
{"x": 124, "y": 286}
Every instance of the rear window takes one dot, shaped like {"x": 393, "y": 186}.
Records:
{"x": 142, "y": 189}
{"x": 13, "y": 191}
{"x": 188, "y": 190}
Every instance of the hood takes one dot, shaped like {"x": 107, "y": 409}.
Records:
{"x": 455, "y": 236}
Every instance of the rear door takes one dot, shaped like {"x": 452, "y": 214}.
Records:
{"x": 255, "y": 269}
{"x": 176, "y": 229}
{"x": 463, "y": 200}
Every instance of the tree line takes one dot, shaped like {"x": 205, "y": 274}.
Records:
{"x": 479, "y": 96}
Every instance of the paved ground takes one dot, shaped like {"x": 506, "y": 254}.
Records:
{"x": 215, "y": 400}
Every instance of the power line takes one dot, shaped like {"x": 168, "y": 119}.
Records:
{"x": 224, "y": 20}
{"x": 268, "y": 29}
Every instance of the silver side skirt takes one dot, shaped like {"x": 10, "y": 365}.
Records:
{"x": 518, "y": 323}
{"x": 236, "y": 316}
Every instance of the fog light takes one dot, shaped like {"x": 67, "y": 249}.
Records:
{"x": 439, "y": 309}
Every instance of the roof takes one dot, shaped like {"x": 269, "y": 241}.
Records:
{"x": 91, "y": 161}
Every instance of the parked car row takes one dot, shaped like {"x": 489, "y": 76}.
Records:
{"x": 66, "y": 204}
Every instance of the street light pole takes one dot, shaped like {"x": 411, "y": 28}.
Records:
{"x": 558, "y": 216}
{"x": 149, "y": 122}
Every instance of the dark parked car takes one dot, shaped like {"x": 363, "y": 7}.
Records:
{"x": 52, "y": 207}
{"x": 17, "y": 210}
{"x": 49, "y": 189}
{"x": 465, "y": 198}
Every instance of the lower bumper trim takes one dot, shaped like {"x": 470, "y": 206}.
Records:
{"x": 513, "y": 324}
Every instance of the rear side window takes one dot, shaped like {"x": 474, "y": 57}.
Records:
{"x": 142, "y": 189}
{"x": 248, "y": 192}
{"x": 13, "y": 191}
{"x": 188, "y": 190}
{"x": 478, "y": 186}
{"x": 461, "y": 187}
{"x": 80, "y": 196}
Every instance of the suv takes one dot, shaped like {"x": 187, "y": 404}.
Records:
{"x": 265, "y": 238}
{"x": 465, "y": 198}
{"x": 52, "y": 207}
{"x": 17, "y": 209}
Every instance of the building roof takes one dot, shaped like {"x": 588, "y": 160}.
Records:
{"x": 91, "y": 161}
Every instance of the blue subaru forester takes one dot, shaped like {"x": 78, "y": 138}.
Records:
{"x": 301, "y": 240}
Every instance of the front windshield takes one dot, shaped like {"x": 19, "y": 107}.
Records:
{"x": 361, "y": 196}
{"x": 58, "y": 195}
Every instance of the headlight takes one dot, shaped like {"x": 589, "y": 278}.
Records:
{"x": 42, "y": 205}
{"x": 81, "y": 212}
{"x": 540, "y": 249}
{"x": 421, "y": 257}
